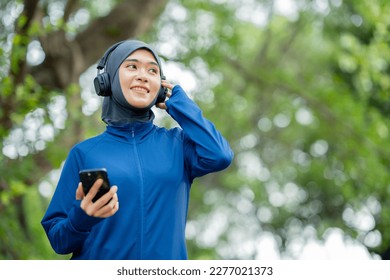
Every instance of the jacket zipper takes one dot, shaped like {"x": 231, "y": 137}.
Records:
{"x": 138, "y": 164}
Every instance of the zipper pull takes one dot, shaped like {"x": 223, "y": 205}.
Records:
{"x": 132, "y": 133}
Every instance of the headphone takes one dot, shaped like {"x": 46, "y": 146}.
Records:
{"x": 102, "y": 80}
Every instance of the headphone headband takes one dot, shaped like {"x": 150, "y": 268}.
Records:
{"x": 106, "y": 55}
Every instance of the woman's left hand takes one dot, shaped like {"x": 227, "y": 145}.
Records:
{"x": 169, "y": 86}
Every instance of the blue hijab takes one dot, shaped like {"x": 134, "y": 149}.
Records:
{"x": 116, "y": 110}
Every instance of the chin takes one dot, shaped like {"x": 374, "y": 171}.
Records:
{"x": 138, "y": 103}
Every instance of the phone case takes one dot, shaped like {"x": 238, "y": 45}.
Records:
{"x": 88, "y": 178}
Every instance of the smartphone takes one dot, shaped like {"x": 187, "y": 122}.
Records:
{"x": 88, "y": 178}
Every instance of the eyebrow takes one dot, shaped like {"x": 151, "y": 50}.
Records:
{"x": 136, "y": 60}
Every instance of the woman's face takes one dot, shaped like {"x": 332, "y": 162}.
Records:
{"x": 139, "y": 77}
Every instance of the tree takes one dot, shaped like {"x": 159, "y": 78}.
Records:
{"x": 299, "y": 88}
{"x": 296, "y": 92}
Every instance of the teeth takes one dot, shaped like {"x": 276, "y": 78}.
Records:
{"x": 140, "y": 89}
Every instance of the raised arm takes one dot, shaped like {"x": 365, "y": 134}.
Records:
{"x": 206, "y": 149}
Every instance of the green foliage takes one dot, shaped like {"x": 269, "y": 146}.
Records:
{"x": 298, "y": 101}
{"x": 27, "y": 240}
{"x": 302, "y": 97}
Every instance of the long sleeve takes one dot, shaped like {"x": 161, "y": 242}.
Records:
{"x": 205, "y": 148}
{"x": 65, "y": 223}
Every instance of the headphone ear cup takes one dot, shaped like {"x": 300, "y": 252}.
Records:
{"x": 102, "y": 84}
{"x": 162, "y": 94}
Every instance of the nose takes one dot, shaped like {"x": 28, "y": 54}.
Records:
{"x": 141, "y": 75}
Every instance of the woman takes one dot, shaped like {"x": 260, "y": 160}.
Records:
{"x": 151, "y": 169}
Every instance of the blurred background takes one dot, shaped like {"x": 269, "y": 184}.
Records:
{"x": 300, "y": 88}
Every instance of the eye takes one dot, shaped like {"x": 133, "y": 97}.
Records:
{"x": 131, "y": 66}
{"x": 153, "y": 70}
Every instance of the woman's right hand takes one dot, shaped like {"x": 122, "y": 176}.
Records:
{"x": 104, "y": 207}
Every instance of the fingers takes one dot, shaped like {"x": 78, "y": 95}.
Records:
{"x": 94, "y": 189}
{"x": 108, "y": 209}
{"x": 166, "y": 84}
{"x": 105, "y": 206}
{"x": 105, "y": 199}
{"x": 86, "y": 200}
{"x": 79, "y": 192}
{"x": 169, "y": 86}
{"x": 161, "y": 106}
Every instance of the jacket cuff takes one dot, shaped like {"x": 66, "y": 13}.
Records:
{"x": 79, "y": 220}
{"x": 177, "y": 92}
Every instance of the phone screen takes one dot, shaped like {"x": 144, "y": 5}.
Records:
{"x": 88, "y": 178}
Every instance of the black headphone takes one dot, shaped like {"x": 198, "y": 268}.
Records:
{"x": 102, "y": 80}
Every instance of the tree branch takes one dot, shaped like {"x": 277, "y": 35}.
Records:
{"x": 71, "y": 6}
{"x": 128, "y": 19}
{"x": 66, "y": 60}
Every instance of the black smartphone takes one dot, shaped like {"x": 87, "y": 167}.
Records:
{"x": 88, "y": 178}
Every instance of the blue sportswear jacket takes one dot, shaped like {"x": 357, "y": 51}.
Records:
{"x": 153, "y": 168}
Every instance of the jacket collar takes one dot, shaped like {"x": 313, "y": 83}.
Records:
{"x": 132, "y": 131}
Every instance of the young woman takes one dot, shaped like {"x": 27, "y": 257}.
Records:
{"x": 150, "y": 168}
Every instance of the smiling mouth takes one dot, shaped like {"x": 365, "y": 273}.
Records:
{"x": 140, "y": 89}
